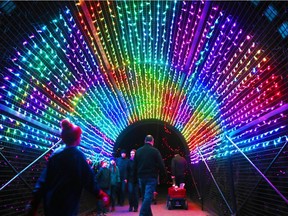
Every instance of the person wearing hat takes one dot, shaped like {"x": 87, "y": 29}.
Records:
{"x": 114, "y": 181}
{"x": 178, "y": 168}
{"x": 132, "y": 185}
{"x": 122, "y": 164}
{"x": 148, "y": 163}
{"x": 67, "y": 173}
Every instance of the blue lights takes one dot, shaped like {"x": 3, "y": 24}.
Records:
{"x": 283, "y": 29}
{"x": 271, "y": 12}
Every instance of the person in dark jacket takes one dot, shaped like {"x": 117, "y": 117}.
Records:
{"x": 178, "y": 168}
{"x": 103, "y": 179}
{"x": 66, "y": 174}
{"x": 122, "y": 163}
{"x": 115, "y": 180}
{"x": 148, "y": 163}
{"x": 132, "y": 185}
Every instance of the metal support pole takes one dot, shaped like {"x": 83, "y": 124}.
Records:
{"x": 232, "y": 213}
{"x": 231, "y": 183}
{"x": 12, "y": 167}
{"x": 30, "y": 165}
{"x": 266, "y": 170}
{"x": 199, "y": 196}
{"x": 266, "y": 179}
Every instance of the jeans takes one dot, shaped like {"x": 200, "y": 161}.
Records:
{"x": 121, "y": 192}
{"x": 133, "y": 195}
{"x": 147, "y": 186}
{"x": 113, "y": 195}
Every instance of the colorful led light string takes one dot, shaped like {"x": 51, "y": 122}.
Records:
{"x": 186, "y": 26}
{"x": 189, "y": 84}
{"x": 130, "y": 18}
{"x": 232, "y": 91}
{"x": 121, "y": 95}
{"x": 30, "y": 64}
{"x": 93, "y": 98}
{"x": 59, "y": 74}
{"x": 195, "y": 88}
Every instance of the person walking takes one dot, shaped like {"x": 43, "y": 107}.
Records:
{"x": 148, "y": 163}
{"x": 115, "y": 180}
{"x": 103, "y": 178}
{"x": 122, "y": 163}
{"x": 132, "y": 185}
{"x": 67, "y": 173}
{"x": 178, "y": 168}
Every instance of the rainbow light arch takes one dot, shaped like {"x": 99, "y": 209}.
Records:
{"x": 114, "y": 63}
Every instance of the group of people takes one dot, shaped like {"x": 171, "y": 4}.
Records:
{"x": 67, "y": 173}
{"x": 115, "y": 179}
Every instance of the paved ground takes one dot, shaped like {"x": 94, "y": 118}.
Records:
{"x": 159, "y": 209}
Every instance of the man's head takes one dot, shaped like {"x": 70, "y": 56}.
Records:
{"x": 149, "y": 139}
{"x": 70, "y": 134}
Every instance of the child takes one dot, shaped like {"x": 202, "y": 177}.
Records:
{"x": 103, "y": 178}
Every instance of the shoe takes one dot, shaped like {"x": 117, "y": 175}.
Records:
{"x": 130, "y": 209}
{"x": 135, "y": 210}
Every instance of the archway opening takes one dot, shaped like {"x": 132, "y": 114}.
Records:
{"x": 167, "y": 140}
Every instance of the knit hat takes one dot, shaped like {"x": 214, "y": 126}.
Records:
{"x": 70, "y": 132}
{"x": 123, "y": 151}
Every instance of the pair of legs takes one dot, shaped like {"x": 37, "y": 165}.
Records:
{"x": 121, "y": 192}
{"x": 133, "y": 196}
{"x": 148, "y": 187}
{"x": 113, "y": 196}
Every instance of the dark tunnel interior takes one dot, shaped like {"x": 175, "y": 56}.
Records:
{"x": 167, "y": 140}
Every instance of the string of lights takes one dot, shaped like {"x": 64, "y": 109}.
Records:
{"x": 58, "y": 74}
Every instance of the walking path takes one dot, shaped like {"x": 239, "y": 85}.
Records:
{"x": 159, "y": 209}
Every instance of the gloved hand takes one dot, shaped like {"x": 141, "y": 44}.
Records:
{"x": 173, "y": 181}
{"x": 104, "y": 197}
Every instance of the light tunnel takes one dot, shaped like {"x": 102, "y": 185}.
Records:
{"x": 107, "y": 65}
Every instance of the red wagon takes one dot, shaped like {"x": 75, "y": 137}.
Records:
{"x": 176, "y": 198}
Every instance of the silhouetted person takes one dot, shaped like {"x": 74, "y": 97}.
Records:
{"x": 178, "y": 168}
{"x": 148, "y": 162}
{"x": 132, "y": 185}
{"x": 66, "y": 174}
{"x": 115, "y": 180}
{"x": 122, "y": 163}
{"x": 103, "y": 178}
